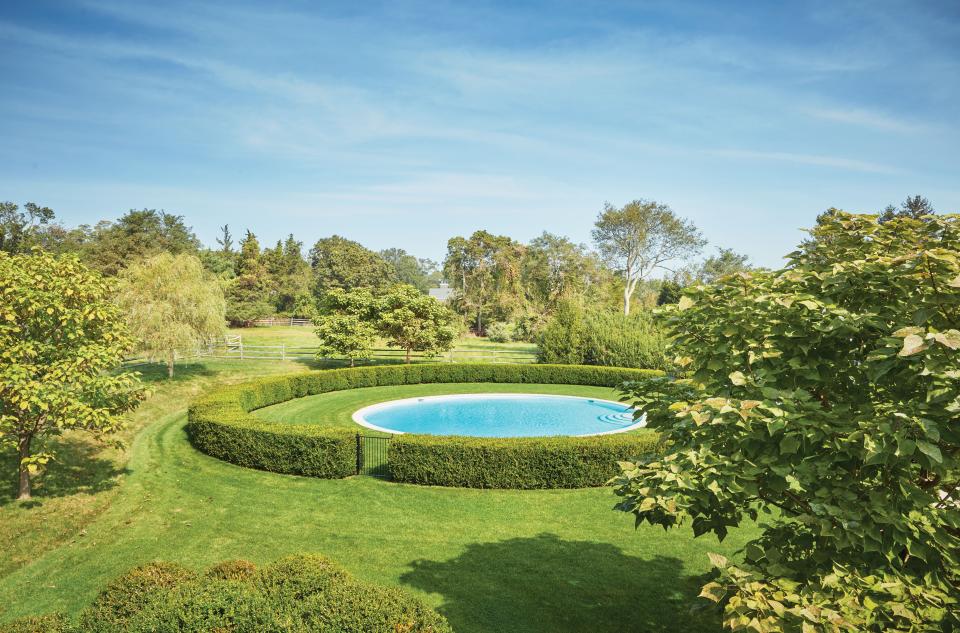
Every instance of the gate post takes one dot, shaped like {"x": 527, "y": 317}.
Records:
{"x": 359, "y": 455}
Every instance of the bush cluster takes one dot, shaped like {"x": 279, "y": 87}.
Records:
{"x": 590, "y": 336}
{"x": 220, "y": 424}
{"x": 304, "y": 593}
{"x": 520, "y": 463}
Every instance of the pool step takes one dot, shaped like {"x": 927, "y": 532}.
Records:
{"x": 624, "y": 418}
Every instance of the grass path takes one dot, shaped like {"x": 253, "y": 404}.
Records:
{"x": 519, "y": 561}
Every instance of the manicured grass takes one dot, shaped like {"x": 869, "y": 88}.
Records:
{"x": 335, "y": 409}
{"x": 490, "y": 560}
{"x": 80, "y": 483}
{"x": 295, "y": 335}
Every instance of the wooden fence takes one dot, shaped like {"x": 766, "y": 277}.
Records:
{"x": 242, "y": 351}
{"x": 233, "y": 348}
{"x": 279, "y": 321}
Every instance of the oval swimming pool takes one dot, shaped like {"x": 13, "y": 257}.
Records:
{"x": 499, "y": 415}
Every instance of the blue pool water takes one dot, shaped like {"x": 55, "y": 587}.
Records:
{"x": 498, "y": 415}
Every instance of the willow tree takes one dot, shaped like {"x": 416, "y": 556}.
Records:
{"x": 171, "y": 304}
{"x": 60, "y": 339}
{"x": 641, "y": 237}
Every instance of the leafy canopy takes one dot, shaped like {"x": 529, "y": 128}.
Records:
{"x": 415, "y": 322}
{"x": 171, "y": 303}
{"x": 641, "y": 237}
{"x": 341, "y": 263}
{"x": 829, "y": 405}
{"x": 352, "y": 320}
{"x": 60, "y": 340}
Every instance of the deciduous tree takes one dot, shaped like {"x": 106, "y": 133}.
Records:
{"x": 18, "y": 229}
{"x": 171, "y": 303}
{"x": 61, "y": 338}
{"x": 641, "y": 237}
{"x": 829, "y": 404}
{"x": 341, "y": 263}
{"x": 415, "y": 322}
{"x": 485, "y": 272}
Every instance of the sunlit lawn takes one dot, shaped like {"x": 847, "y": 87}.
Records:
{"x": 489, "y": 560}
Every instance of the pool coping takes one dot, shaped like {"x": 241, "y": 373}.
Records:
{"x": 357, "y": 415}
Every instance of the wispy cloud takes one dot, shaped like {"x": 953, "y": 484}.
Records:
{"x": 868, "y": 118}
{"x": 807, "y": 159}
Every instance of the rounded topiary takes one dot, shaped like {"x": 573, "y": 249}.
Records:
{"x": 130, "y": 593}
{"x": 211, "y": 605}
{"x": 232, "y": 570}
{"x": 52, "y": 623}
{"x": 304, "y": 593}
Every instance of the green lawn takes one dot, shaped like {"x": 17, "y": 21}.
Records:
{"x": 537, "y": 561}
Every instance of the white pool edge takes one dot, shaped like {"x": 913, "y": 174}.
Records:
{"x": 358, "y": 415}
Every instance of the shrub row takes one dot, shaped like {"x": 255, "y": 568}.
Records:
{"x": 220, "y": 424}
{"x": 298, "y": 593}
{"x": 523, "y": 462}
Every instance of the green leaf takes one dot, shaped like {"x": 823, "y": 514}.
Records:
{"x": 789, "y": 444}
{"x": 738, "y": 378}
{"x": 930, "y": 450}
{"x": 911, "y": 345}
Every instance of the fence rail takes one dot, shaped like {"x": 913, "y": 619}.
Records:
{"x": 233, "y": 348}
{"x": 279, "y": 321}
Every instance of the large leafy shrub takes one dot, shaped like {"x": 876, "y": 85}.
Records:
{"x": 220, "y": 423}
{"x": 520, "y": 463}
{"x": 593, "y": 336}
{"x": 303, "y": 593}
{"x": 501, "y": 332}
{"x": 830, "y": 407}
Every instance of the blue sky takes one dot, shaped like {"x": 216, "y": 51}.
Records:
{"x": 403, "y": 124}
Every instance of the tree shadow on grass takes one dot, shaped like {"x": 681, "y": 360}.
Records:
{"x": 183, "y": 372}
{"x": 546, "y": 584}
{"x": 78, "y": 467}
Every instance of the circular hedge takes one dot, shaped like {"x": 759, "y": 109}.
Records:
{"x": 220, "y": 425}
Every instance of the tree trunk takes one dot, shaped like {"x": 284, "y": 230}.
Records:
{"x": 23, "y": 491}
{"x": 351, "y": 361}
{"x": 626, "y": 300}
{"x": 408, "y": 356}
{"x": 170, "y": 364}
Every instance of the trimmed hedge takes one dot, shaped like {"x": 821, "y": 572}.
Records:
{"x": 304, "y": 593}
{"x": 220, "y": 425}
{"x": 522, "y": 462}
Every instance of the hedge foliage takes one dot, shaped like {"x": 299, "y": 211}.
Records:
{"x": 523, "y": 462}
{"x": 302, "y": 594}
{"x": 220, "y": 424}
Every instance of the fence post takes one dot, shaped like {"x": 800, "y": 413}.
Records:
{"x": 359, "y": 455}
{"x": 283, "y": 351}
{"x": 241, "y": 350}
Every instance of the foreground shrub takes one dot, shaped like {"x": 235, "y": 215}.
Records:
{"x": 304, "y": 594}
{"x": 830, "y": 404}
{"x": 54, "y": 623}
{"x": 528, "y": 462}
{"x": 130, "y": 593}
{"x": 220, "y": 424}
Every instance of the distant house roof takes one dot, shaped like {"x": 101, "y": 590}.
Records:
{"x": 442, "y": 292}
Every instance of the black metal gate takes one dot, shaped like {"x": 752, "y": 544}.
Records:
{"x": 372, "y": 455}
